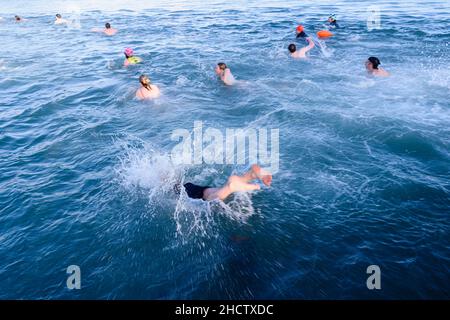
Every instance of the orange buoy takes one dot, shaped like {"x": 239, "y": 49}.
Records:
{"x": 324, "y": 34}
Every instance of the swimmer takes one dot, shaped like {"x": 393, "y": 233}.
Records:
{"x": 225, "y": 74}
{"x": 130, "y": 58}
{"x": 60, "y": 20}
{"x": 147, "y": 90}
{"x": 332, "y": 22}
{"x": 18, "y": 19}
{"x": 109, "y": 31}
{"x": 372, "y": 66}
{"x": 233, "y": 184}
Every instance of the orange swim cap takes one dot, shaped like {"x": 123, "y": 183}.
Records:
{"x": 300, "y": 29}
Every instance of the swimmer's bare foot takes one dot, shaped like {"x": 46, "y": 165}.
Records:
{"x": 239, "y": 184}
{"x": 261, "y": 174}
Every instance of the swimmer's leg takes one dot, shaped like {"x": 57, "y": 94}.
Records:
{"x": 239, "y": 184}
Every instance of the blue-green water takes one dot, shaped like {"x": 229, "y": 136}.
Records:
{"x": 364, "y": 172}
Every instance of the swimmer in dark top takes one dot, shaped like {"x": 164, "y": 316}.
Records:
{"x": 234, "y": 184}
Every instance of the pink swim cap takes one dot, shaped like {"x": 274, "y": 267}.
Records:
{"x": 128, "y": 52}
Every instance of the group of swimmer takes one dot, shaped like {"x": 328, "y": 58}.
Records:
{"x": 234, "y": 183}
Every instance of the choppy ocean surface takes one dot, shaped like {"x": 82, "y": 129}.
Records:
{"x": 364, "y": 174}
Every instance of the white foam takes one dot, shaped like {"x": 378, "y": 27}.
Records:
{"x": 326, "y": 52}
{"x": 364, "y": 84}
{"x": 146, "y": 169}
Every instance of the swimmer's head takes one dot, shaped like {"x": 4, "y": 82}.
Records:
{"x": 107, "y": 25}
{"x": 58, "y": 16}
{"x": 128, "y": 52}
{"x": 300, "y": 29}
{"x": 292, "y": 48}
{"x": 372, "y": 63}
{"x": 332, "y": 18}
{"x": 221, "y": 66}
{"x": 17, "y": 18}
